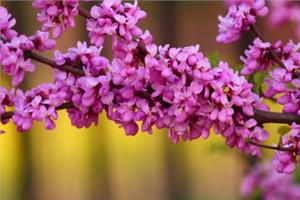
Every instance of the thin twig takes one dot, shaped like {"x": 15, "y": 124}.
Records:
{"x": 75, "y": 70}
{"x": 272, "y": 147}
{"x": 84, "y": 13}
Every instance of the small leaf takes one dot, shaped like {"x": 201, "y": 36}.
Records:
{"x": 258, "y": 81}
{"x": 214, "y": 59}
{"x": 283, "y": 130}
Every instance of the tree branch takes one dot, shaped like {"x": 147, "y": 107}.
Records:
{"x": 272, "y": 147}
{"x": 263, "y": 117}
{"x": 84, "y": 13}
{"x": 6, "y": 115}
{"x": 260, "y": 116}
{"x": 73, "y": 69}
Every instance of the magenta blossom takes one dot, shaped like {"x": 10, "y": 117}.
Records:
{"x": 56, "y": 15}
{"x": 114, "y": 18}
{"x": 285, "y": 161}
{"x": 283, "y": 11}
{"x": 272, "y": 185}
{"x": 6, "y": 24}
{"x": 13, "y": 60}
{"x": 37, "y": 104}
{"x": 241, "y": 15}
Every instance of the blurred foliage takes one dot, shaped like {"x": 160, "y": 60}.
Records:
{"x": 258, "y": 80}
{"x": 283, "y": 130}
{"x": 214, "y": 59}
{"x": 297, "y": 175}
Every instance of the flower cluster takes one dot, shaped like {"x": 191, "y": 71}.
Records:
{"x": 270, "y": 184}
{"x": 283, "y": 79}
{"x": 241, "y": 15}
{"x": 187, "y": 96}
{"x": 37, "y": 104}
{"x": 114, "y": 18}
{"x": 147, "y": 84}
{"x": 285, "y": 161}
{"x": 6, "y": 24}
{"x": 174, "y": 88}
{"x": 258, "y": 57}
{"x": 13, "y": 58}
{"x": 89, "y": 92}
{"x": 56, "y": 15}
{"x": 282, "y": 11}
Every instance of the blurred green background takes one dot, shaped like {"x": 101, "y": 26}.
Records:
{"x": 101, "y": 162}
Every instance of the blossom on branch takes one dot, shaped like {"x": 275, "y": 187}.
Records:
{"x": 241, "y": 15}
{"x": 146, "y": 85}
{"x": 114, "y": 18}
{"x": 56, "y": 15}
{"x": 6, "y": 24}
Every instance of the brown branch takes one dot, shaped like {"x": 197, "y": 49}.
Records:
{"x": 6, "y": 115}
{"x": 73, "y": 69}
{"x": 84, "y": 13}
{"x": 263, "y": 117}
{"x": 260, "y": 116}
{"x": 35, "y": 56}
{"x": 272, "y": 147}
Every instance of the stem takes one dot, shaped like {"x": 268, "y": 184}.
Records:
{"x": 260, "y": 116}
{"x": 272, "y": 147}
{"x": 263, "y": 117}
{"x": 51, "y": 63}
{"x": 272, "y": 53}
{"x": 84, "y": 13}
{"x": 6, "y": 115}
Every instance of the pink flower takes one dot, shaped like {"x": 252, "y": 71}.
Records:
{"x": 257, "y": 57}
{"x": 241, "y": 15}
{"x": 114, "y": 18}
{"x": 13, "y": 60}
{"x": 90, "y": 93}
{"x": 272, "y": 185}
{"x": 285, "y": 161}
{"x": 37, "y": 104}
{"x": 6, "y": 24}
{"x": 56, "y": 15}
{"x": 42, "y": 42}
